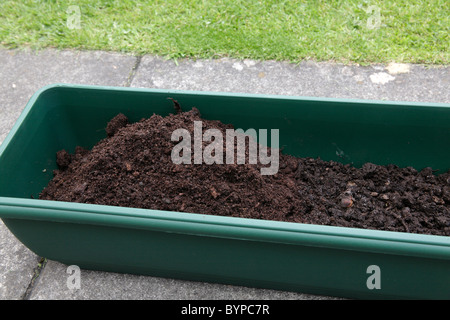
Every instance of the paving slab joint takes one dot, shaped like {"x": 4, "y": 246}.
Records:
{"x": 36, "y": 273}
{"x": 133, "y": 71}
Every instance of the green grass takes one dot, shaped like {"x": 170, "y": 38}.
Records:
{"x": 414, "y": 31}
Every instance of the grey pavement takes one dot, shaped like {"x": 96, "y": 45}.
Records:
{"x": 23, "y": 275}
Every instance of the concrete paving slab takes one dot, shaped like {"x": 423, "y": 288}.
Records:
{"x": 399, "y": 82}
{"x": 23, "y": 72}
{"x": 17, "y": 266}
{"x": 96, "y": 285}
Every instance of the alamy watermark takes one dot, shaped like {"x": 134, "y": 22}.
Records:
{"x": 74, "y": 279}
{"x": 73, "y": 17}
{"x": 235, "y": 147}
{"x": 373, "y": 20}
{"x": 374, "y": 280}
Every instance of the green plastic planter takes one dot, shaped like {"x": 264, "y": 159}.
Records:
{"x": 313, "y": 259}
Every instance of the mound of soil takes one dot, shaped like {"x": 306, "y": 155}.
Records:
{"x": 133, "y": 167}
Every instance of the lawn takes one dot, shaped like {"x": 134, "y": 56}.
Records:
{"x": 414, "y": 31}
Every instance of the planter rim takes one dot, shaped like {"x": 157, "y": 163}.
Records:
{"x": 366, "y": 240}
{"x": 236, "y": 94}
